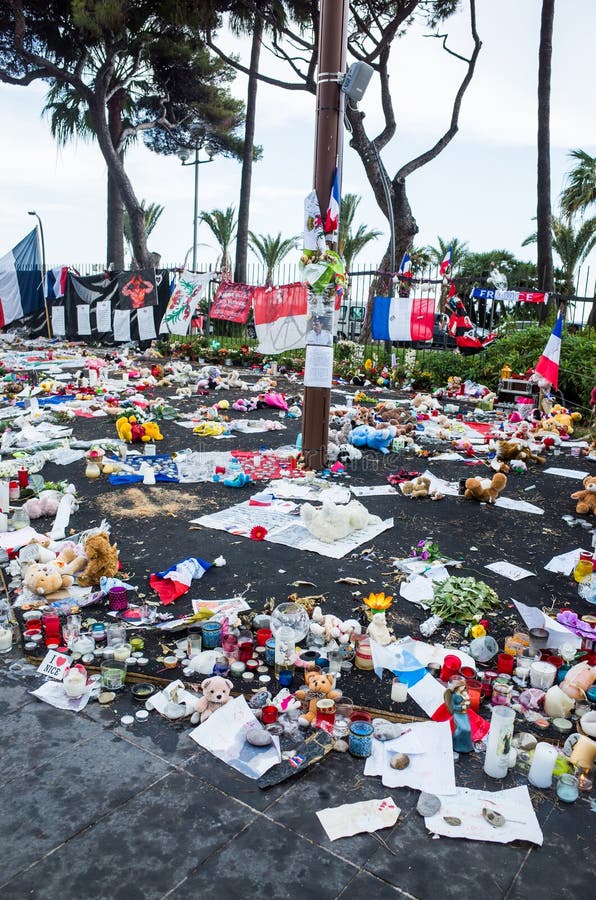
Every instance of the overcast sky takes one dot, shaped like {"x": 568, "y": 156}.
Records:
{"x": 482, "y": 188}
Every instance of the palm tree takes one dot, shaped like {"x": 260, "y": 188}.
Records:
{"x": 270, "y": 251}
{"x": 350, "y": 243}
{"x": 459, "y": 251}
{"x": 223, "y": 227}
{"x": 151, "y": 214}
{"x": 580, "y": 192}
{"x": 571, "y": 246}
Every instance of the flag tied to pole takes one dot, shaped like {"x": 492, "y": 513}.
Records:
{"x": 405, "y": 269}
{"x": 403, "y": 319}
{"x": 280, "y": 314}
{"x": 331, "y": 227}
{"x": 446, "y": 264}
{"x": 20, "y": 280}
{"x": 548, "y": 364}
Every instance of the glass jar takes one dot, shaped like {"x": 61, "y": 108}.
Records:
{"x": 498, "y": 746}
{"x": 584, "y": 566}
{"x": 211, "y": 634}
{"x": 194, "y": 640}
{"x": 113, "y": 675}
{"x": 51, "y": 627}
{"x": 20, "y": 519}
{"x": 360, "y": 739}
{"x": 290, "y": 615}
{"x": 285, "y": 650}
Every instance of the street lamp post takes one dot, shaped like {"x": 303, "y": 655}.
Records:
{"x": 32, "y": 212}
{"x": 184, "y": 155}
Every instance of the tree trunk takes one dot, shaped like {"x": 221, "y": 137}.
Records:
{"x": 405, "y": 229}
{"x": 543, "y": 208}
{"x": 115, "y": 206}
{"x": 247, "y": 156}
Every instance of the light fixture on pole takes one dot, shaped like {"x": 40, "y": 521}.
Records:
{"x": 32, "y": 212}
{"x": 197, "y": 134}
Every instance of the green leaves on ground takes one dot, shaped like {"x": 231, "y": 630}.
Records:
{"x": 460, "y": 599}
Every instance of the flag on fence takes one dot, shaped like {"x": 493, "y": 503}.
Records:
{"x": 548, "y": 364}
{"x": 462, "y": 329}
{"x": 332, "y": 217}
{"x": 232, "y": 302}
{"x": 446, "y": 264}
{"x": 183, "y": 302}
{"x": 20, "y": 280}
{"x": 403, "y": 319}
{"x": 280, "y": 317}
{"x": 405, "y": 269}
{"x": 55, "y": 284}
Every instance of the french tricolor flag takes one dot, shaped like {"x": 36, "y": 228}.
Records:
{"x": 548, "y": 364}
{"x": 55, "y": 286}
{"x": 403, "y": 319}
{"x": 446, "y": 264}
{"x": 20, "y": 280}
{"x": 331, "y": 227}
{"x": 280, "y": 314}
{"x": 405, "y": 269}
{"x": 175, "y": 581}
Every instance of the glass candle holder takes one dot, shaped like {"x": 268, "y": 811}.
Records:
{"x": 113, "y": 675}
{"x": 5, "y": 638}
{"x": 211, "y": 634}
{"x": 399, "y": 691}
{"x": 51, "y": 627}
{"x": 505, "y": 663}
{"x": 290, "y": 615}
{"x": 498, "y": 748}
{"x": 116, "y": 634}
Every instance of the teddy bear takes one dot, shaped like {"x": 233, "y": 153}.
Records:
{"x": 331, "y": 521}
{"x": 485, "y": 490}
{"x": 328, "y": 627}
{"x": 318, "y": 686}
{"x": 418, "y": 487}
{"x": 50, "y": 579}
{"x": 586, "y": 499}
{"x": 216, "y": 693}
{"x": 376, "y": 438}
{"x": 564, "y": 419}
{"x": 510, "y": 450}
{"x": 45, "y": 504}
{"x": 102, "y": 559}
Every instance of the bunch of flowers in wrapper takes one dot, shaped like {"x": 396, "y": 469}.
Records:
{"x": 427, "y": 550}
{"x": 477, "y": 628}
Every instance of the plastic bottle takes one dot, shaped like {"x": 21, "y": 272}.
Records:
{"x": 584, "y": 566}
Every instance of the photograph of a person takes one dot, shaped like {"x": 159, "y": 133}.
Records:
{"x": 319, "y": 332}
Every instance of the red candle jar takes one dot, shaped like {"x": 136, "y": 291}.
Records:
{"x": 360, "y": 716}
{"x": 451, "y": 667}
{"x": 555, "y": 661}
{"x": 251, "y": 664}
{"x": 245, "y": 650}
{"x": 23, "y": 476}
{"x": 263, "y": 635}
{"x": 487, "y": 683}
{"x": 229, "y": 644}
{"x": 506, "y": 663}
{"x": 325, "y": 715}
{"x": 269, "y": 715}
{"x": 14, "y": 491}
{"x": 467, "y": 672}
{"x": 51, "y": 627}
{"x": 474, "y": 689}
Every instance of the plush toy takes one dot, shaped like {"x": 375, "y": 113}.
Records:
{"x": 216, "y": 693}
{"x": 50, "y": 579}
{"x": 46, "y": 504}
{"x": 564, "y": 419}
{"x": 329, "y": 627}
{"x": 375, "y": 438}
{"x": 102, "y": 559}
{"x": 509, "y": 450}
{"x": 331, "y": 522}
{"x": 485, "y": 490}
{"x": 318, "y": 686}
{"x": 586, "y": 499}
{"x": 418, "y": 487}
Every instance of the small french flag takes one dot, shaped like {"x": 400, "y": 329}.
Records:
{"x": 331, "y": 227}
{"x": 405, "y": 269}
{"x": 548, "y": 364}
{"x": 446, "y": 264}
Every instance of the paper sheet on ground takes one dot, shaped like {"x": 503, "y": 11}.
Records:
{"x": 295, "y": 490}
{"x": 379, "y": 490}
{"x": 508, "y": 570}
{"x": 229, "y": 607}
{"x": 224, "y": 735}
{"x": 354, "y": 818}
{"x": 564, "y": 563}
{"x": 467, "y": 804}
{"x": 285, "y": 529}
{"x": 431, "y": 771}
{"x": 558, "y": 634}
{"x": 419, "y": 589}
{"x": 53, "y": 692}
{"x": 566, "y": 473}
{"x": 174, "y": 693}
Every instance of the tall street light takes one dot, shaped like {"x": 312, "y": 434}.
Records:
{"x": 198, "y": 137}
{"x": 32, "y": 212}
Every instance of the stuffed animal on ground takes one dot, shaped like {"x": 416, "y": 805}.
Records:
{"x": 378, "y": 630}
{"x": 216, "y": 693}
{"x": 46, "y": 504}
{"x": 485, "y": 490}
{"x": 331, "y": 522}
{"x": 375, "y": 438}
{"x": 50, "y": 579}
{"x": 509, "y": 450}
{"x": 417, "y": 487}
{"x": 586, "y": 499}
{"x": 564, "y": 419}
{"x": 318, "y": 686}
{"x": 102, "y": 559}
{"x": 329, "y": 627}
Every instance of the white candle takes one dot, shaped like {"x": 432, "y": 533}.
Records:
{"x": 4, "y": 498}
{"x": 74, "y": 683}
{"x": 5, "y": 639}
{"x": 541, "y": 770}
{"x": 498, "y": 747}
{"x": 3, "y": 521}
{"x": 399, "y": 691}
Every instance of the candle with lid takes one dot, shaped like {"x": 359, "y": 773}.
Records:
{"x": 543, "y": 763}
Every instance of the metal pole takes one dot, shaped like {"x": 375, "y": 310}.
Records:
{"x": 333, "y": 21}
{"x": 196, "y": 211}
{"x": 43, "y": 269}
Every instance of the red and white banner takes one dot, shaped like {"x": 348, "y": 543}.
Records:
{"x": 232, "y": 302}
{"x": 512, "y": 296}
{"x": 281, "y": 315}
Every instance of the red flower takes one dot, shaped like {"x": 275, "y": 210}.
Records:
{"x": 258, "y": 533}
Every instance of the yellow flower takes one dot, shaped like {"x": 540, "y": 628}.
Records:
{"x": 368, "y": 364}
{"x": 478, "y": 631}
{"x": 378, "y": 602}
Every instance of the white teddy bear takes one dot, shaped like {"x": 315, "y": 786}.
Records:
{"x": 331, "y": 522}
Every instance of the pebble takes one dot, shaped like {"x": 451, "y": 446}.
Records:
{"x": 341, "y": 746}
{"x": 258, "y": 737}
{"x": 428, "y": 804}
{"x": 106, "y": 697}
{"x": 400, "y": 761}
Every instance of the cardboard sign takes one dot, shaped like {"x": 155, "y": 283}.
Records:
{"x": 54, "y": 665}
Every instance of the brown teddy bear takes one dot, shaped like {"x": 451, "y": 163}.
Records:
{"x": 319, "y": 686}
{"x": 485, "y": 490}
{"x": 216, "y": 693}
{"x": 102, "y": 559}
{"x": 586, "y": 499}
{"x": 418, "y": 487}
{"x": 509, "y": 450}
